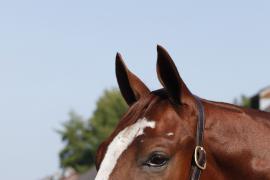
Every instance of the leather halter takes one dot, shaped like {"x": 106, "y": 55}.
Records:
{"x": 199, "y": 157}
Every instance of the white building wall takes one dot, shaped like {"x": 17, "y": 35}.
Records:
{"x": 264, "y": 103}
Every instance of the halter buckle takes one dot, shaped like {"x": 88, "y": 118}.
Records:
{"x": 198, "y": 152}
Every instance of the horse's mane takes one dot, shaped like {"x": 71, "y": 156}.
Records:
{"x": 243, "y": 110}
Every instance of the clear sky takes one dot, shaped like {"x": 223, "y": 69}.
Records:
{"x": 58, "y": 55}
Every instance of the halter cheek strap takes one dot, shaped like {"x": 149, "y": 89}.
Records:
{"x": 199, "y": 157}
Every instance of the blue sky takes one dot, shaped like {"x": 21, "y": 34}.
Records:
{"x": 56, "y": 56}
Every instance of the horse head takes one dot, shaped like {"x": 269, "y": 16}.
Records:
{"x": 156, "y": 136}
{"x": 160, "y": 136}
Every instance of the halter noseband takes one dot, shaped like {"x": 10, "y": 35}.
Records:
{"x": 199, "y": 157}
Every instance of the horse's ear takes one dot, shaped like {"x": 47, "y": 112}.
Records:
{"x": 131, "y": 87}
{"x": 170, "y": 79}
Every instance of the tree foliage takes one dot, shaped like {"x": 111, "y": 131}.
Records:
{"x": 82, "y": 138}
{"x": 243, "y": 101}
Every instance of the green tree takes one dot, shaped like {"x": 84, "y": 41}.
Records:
{"x": 77, "y": 152}
{"x": 82, "y": 138}
{"x": 243, "y": 101}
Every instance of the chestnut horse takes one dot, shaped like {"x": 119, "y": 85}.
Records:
{"x": 172, "y": 134}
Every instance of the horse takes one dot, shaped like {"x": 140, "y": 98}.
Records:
{"x": 171, "y": 134}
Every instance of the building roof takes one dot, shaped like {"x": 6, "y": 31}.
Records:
{"x": 265, "y": 93}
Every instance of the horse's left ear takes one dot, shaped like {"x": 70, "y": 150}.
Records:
{"x": 131, "y": 87}
{"x": 170, "y": 79}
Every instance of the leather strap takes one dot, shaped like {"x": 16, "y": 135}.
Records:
{"x": 199, "y": 157}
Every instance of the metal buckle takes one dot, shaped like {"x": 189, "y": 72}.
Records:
{"x": 197, "y": 149}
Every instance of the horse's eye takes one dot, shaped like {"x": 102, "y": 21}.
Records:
{"x": 157, "y": 160}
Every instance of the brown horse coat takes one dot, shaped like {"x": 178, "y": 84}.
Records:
{"x": 236, "y": 140}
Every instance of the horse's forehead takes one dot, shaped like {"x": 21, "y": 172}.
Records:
{"x": 119, "y": 144}
{"x": 150, "y": 115}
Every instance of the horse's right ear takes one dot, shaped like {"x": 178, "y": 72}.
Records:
{"x": 131, "y": 87}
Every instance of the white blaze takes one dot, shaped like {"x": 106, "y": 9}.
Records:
{"x": 119, "y": 144}
{"x": 170, "y": 134}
